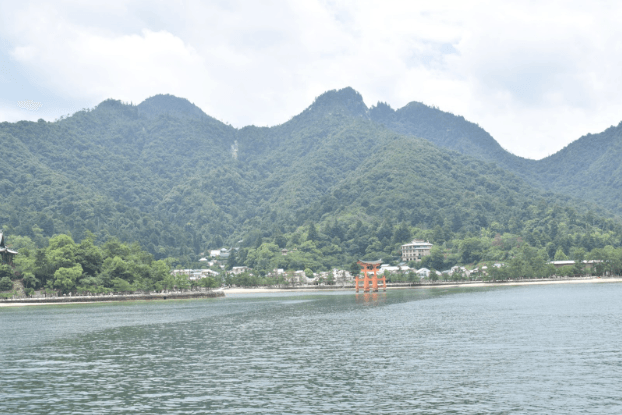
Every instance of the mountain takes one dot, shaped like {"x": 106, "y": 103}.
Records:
{"x": 177, "y": 181}
{"x": 588, "y": 168}
{"x": 443, "y": 129}
{"x": 170, "y": 105}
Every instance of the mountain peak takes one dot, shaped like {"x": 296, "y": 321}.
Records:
{"x": 170, "y": 104}
{"x": 346, "y": 99}
{"x": 381, "y": 112}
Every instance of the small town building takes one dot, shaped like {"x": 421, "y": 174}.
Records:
{"x": 415, "y": 250}
{"x": 423, "y": 273}
{"x": 559, "y": 264}
{"x": 195, "y": 274}
{"x": 239, "y": 270}
{"x": 388, "y": 268}
{"x": 222, "y": 253}
{"x": 587, "y": 264}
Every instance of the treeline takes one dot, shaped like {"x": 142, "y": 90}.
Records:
{"x": 538, "y": 234}
{"x": 65, "y": 266}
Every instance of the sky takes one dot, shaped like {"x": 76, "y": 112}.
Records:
{"x": 536, "y": 75}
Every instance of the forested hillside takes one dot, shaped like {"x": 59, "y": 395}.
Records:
{"x": 587, "y": 169}
{"x": 446, "y": 130}
{"x": 335, "y": 183}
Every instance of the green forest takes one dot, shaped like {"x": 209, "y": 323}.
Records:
{"x": 156, "y": 185}
{"x": 65, "y": 266}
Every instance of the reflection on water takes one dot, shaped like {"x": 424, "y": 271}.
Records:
{"x": 371, "y": 298}
{"x": 540, "y": 349}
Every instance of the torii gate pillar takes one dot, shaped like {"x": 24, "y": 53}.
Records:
{"x": 368, "y": 267}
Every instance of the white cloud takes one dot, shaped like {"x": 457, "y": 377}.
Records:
{"x": 86, "y": 65}
{"x": 535, "y": 75}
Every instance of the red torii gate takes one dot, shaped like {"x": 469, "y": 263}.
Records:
{"x": 366, "y": 267}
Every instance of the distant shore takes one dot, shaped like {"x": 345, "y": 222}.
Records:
{"x": 402, "y": 286}
{"x": 83, "y": 299}
{"x": 221, "y": 292}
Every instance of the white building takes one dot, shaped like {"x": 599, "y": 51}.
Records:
{"x": 195, "y": 274}
{"x": 389, "y": 268}
{"x": 423, "y": 273}
{"x": 415, "y": 250}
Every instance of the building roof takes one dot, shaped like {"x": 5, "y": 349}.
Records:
{"x": 571, "y": 262}
{"x": 418, "y": 242}
{"x": 379, "y": 262}
{"x": 3, "y": 248}
{"x": 565, "y": 262}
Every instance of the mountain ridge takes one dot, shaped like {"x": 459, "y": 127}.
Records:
{"x": 182, "y": 184}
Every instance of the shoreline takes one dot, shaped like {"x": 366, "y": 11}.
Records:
{"x": 312, "y": 289}
{"x": 20, "y": 302}
{"x": 403, "y": 286}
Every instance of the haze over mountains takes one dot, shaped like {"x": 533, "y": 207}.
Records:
{"x": 178, "y": 181}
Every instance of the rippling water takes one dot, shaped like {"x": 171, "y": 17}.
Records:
{"x": 536, "y": 349}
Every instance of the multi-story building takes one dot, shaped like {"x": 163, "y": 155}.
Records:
{"x": 415, "y": 250}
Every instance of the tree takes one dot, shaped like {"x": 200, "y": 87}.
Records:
{"x": 231, "y": 261}
{"x": 5, "y": 284}
{"x": 330, "y": 280}
{"x": 65, "y": 278}
{"x": 401, "y": 234}
{"x": 61, "y": 250}
{"x": 116, "y": 268}
{"x": 120, "y": 285}
{"x": 413, "y": 277}
{"x": 385, "y": 231}
{"x": 279, "y": 239}
{"x": 312, "y": 233}
{"x": 29, "y": 280}
{"x": 560, "y": 256}
{"x": 6, "y": 272}
{"x": 159, "y": 271}
{"x": 470, "y": 250}
{"x": 208, "y": 282}
{"x": 89, "y": 256}
{"x": 436, "y": 259}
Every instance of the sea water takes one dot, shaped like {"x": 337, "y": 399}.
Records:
{"x": 551, "y": 349}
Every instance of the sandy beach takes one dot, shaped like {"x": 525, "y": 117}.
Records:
{"x": 260, "y": 290}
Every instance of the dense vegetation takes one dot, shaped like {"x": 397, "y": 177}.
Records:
{"x": 587, "y": 169}
{"x": 334, "y": 184}
{"x": 64, "y": 266}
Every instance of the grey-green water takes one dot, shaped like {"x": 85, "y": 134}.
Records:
{"x": 536, "y": 349}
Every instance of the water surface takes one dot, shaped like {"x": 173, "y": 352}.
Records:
{"x": 531, "y": 349}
